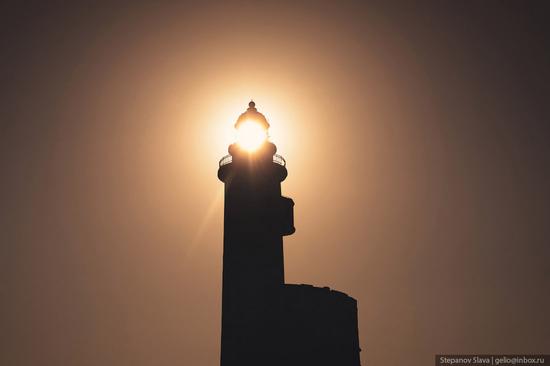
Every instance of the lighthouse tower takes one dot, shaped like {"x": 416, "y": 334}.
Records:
{"x": 256, "y": 217}
{"x": 265, "y": 321}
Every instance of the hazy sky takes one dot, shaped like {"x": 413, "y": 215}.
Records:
{"x": 417, "y": 141}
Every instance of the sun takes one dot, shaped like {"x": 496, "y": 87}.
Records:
{"x": 251, "y": 135}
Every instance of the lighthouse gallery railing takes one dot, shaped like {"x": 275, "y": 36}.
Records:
{"x": 277, "y": 159}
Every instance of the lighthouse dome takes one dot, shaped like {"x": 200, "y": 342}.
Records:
{"x": 252, "y": 115}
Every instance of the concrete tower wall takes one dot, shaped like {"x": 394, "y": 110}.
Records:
{"x": 256, "y": 217}
{"x": 318, "y": 327}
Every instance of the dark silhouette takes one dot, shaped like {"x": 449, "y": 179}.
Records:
{"x": 264, "y": 320}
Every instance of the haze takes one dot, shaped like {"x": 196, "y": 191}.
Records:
{"x": 416, "y": 138}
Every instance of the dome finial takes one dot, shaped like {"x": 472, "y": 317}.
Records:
{"x": 251, "y": 104}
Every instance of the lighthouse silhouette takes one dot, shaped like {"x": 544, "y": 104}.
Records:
{"x": 264, "y": 320}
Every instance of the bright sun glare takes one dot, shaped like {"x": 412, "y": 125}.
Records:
{"x": 250, "y": 135}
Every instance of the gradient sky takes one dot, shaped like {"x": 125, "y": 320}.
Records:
{"x": 417, "y": 141}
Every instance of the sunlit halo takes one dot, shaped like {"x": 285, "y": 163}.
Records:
{"x": 250, "y": 135}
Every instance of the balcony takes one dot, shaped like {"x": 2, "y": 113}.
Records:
{"x": 277, "y": 159}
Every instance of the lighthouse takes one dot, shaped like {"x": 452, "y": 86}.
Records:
{"x": 264, "y": 320}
